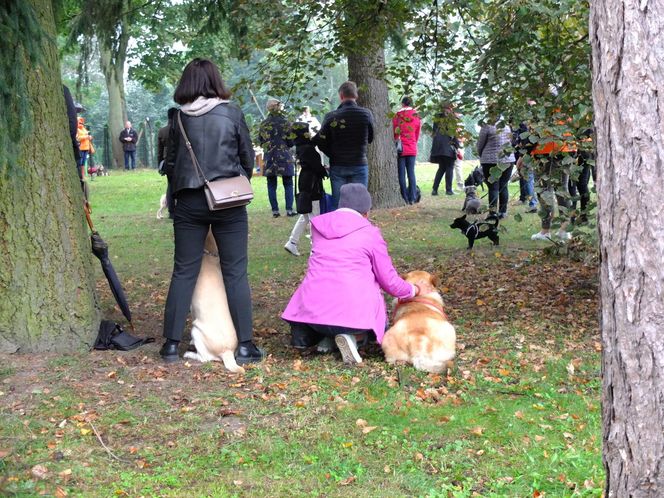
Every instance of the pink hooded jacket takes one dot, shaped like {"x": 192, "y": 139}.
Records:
{"x": 406, "y": 125}
{"x": 348, "y": 267}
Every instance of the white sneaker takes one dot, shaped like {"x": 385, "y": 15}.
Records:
{"x": 325, "y": 346}
{"x": 292, "y": 248}
{"x": 540, "y": 236}
{"x": 564, "y": 236}
{"x": 347, "y": 345}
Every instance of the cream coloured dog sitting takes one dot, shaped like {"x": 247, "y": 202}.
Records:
{"x": 212, "y": 331}
{"x": 421, "y": 333}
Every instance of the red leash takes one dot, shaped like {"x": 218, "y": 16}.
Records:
{"x": 422, "y": 300}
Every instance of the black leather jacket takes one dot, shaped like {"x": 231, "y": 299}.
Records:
{"x": 222, "y": 144}
{"x": 345, "y": 133}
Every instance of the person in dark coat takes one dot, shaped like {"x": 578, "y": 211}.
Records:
{"x": 220, "y": 139}
{"x": 309, "y": 184}
{"x": 162, "y": 150}
{"x": 129, "y": 138}
{"x": 274, "y": 137}
{"x": 344, "y": 137}
{"x": 444, "y": 150}
{"x": 73, "y": 128}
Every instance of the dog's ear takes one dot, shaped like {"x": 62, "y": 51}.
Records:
{"x": 435, "y": 281}
{"x": 464, "y": 217}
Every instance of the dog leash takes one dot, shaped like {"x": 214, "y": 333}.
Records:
{"x": 431, "y": 305}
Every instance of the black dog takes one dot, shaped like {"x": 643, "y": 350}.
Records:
{"x": 478, "y": 230}
{"x": 475, "y": 179}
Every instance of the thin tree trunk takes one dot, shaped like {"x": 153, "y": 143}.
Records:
{"x": 628, "y": 92}
{"x": 112, "y": 65}
{"x": 367, "y": 69}
{"x": 47, "y": 300}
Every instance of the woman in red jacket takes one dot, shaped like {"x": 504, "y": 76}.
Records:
{"x": 406, "y": 124}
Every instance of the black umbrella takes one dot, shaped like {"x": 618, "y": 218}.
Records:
{"x": 100, "y": 249}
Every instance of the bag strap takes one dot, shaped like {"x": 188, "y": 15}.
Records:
{"x": 187, "y": 143}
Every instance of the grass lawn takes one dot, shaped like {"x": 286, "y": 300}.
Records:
{"x": 519, "y": 417}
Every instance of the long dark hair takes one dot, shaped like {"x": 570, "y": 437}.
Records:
{"x": 200, "y": 78}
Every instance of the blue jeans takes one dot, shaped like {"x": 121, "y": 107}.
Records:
{"x": 407, "y": 166}
{"x": 530, "y": 189}
{"x": 130, "y": 155}
{"x": 272, "y": 192}
{"x": 341, "y": 175}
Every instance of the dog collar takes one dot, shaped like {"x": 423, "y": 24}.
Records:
{"x": 417, "y": 299}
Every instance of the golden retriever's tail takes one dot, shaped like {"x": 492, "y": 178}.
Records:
{"x": 229, "y": 362}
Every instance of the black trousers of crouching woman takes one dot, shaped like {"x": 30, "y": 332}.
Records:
{"x": 445, "y": 167}
{"x": 192, "y": 219}
{"x": 305, "y": 335}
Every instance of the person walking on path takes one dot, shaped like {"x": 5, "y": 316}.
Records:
{"x": 219, "y": 137}
{"x": 444, "y": 149}
{"x": 274, "y": 137}
{"x": 406, "y": 125}
{"x": 129, "y": 138}
{"x": 344, "y": 138}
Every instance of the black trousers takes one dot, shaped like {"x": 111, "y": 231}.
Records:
{"x": 192, "y": 220}
{"x": 305, "y": 335}
{"x": 499, "y": 194}
{"x": 445, "y": 167}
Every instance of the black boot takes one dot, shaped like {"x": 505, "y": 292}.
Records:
{"x": 247, "y": 352}
{"x": 169, "y": 351}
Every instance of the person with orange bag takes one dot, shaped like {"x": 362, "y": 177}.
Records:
{"x": 85, "y": 144}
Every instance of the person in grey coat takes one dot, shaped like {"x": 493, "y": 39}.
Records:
{"x": 494, "y": 147}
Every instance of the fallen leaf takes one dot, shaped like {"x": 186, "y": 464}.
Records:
{"x": 539, "y": 439}
{"x": 85, "y": 432}
{"x": 477, "y": 431}
{"x": 518, "y": 414}
{"x": 360, "y": 422}
{"x": 347, "y": 445}
{"x": 60, "y": 493}
{"x": 348, "y": 481}
{"x": 65, "y": 473}
{"x": 419, "y": 457}
{"x": 387, "y": 469}
{"x": 39, "y": 472}
{"x": 368, "y": 429}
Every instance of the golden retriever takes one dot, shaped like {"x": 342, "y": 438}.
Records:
{"x": 420, "y": 333}
{"x": 212, "y": 331}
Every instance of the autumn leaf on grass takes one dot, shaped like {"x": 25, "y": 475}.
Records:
{"x": 477, "y": 431}
{"x": 518, "y": 414}
{"x": 348, "y": 481}
{"x": 39, "y": 472}
{"x": 60, "y": 493}
{"x": 368, "y": 429}
{"x": 360, "y": 422}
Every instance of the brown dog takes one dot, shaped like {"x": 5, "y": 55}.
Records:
{"x": 420, "y": 333}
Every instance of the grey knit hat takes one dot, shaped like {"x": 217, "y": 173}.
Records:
{"x": 355, "y": 196}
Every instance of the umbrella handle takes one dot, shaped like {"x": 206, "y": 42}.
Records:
{"x": 86, "y": 208}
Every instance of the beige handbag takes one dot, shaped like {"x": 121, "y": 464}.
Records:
{"x": 223, "y": 193}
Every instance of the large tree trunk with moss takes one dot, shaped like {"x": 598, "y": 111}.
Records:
{"x": 367, "y": 69}
{"x": 628, "y": 92}
{"x": 112, "y": 65}
{"x": 47, "y": 300}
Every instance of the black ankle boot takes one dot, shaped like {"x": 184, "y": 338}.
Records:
{"x": 169, "y": 351}
{"x": 247, "y": 352}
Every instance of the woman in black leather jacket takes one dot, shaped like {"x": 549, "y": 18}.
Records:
{"x": 220, "y": 139}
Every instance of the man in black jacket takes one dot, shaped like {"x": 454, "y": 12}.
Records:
{"x": 344, "y": 137}
{"x": 129, "y": 137}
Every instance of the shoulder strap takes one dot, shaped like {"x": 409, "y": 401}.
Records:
{"x": 187, "y": 144}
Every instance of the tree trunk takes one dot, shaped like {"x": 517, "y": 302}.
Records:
{"x": 112, "y": 65}
{"x": 367, "y": 69}
{"x": 47, "y": 300}
{"x": 628, "y": 93}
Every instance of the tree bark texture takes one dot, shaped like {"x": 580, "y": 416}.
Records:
{"x": 367, "y": 69}
{"x": 47, "y": 300}
{"x": 628, "y": 91}
{"x": 112, "y": 65}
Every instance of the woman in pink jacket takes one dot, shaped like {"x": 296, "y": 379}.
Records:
{"x": 340, "y": 295}
{"x": 406, "y": 125}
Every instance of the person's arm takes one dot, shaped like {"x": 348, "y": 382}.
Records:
{"x": 245, "y": 147}
{"x": 121, "y": 138}
{"x": 417, "y": 125}
{"x": 370, "y": 128}
{"x": 173, "y": 143}
{"x": 322, "y": 138}
{"x": 386, "y": 275}
{"x": 395, "y": 125}
{"x": 481, "y": 140}
{"x": 161, "y": 147}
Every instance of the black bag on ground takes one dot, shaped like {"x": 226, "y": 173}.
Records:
{"x": 418, "y": 194}
{"x": 113, "y": 336}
